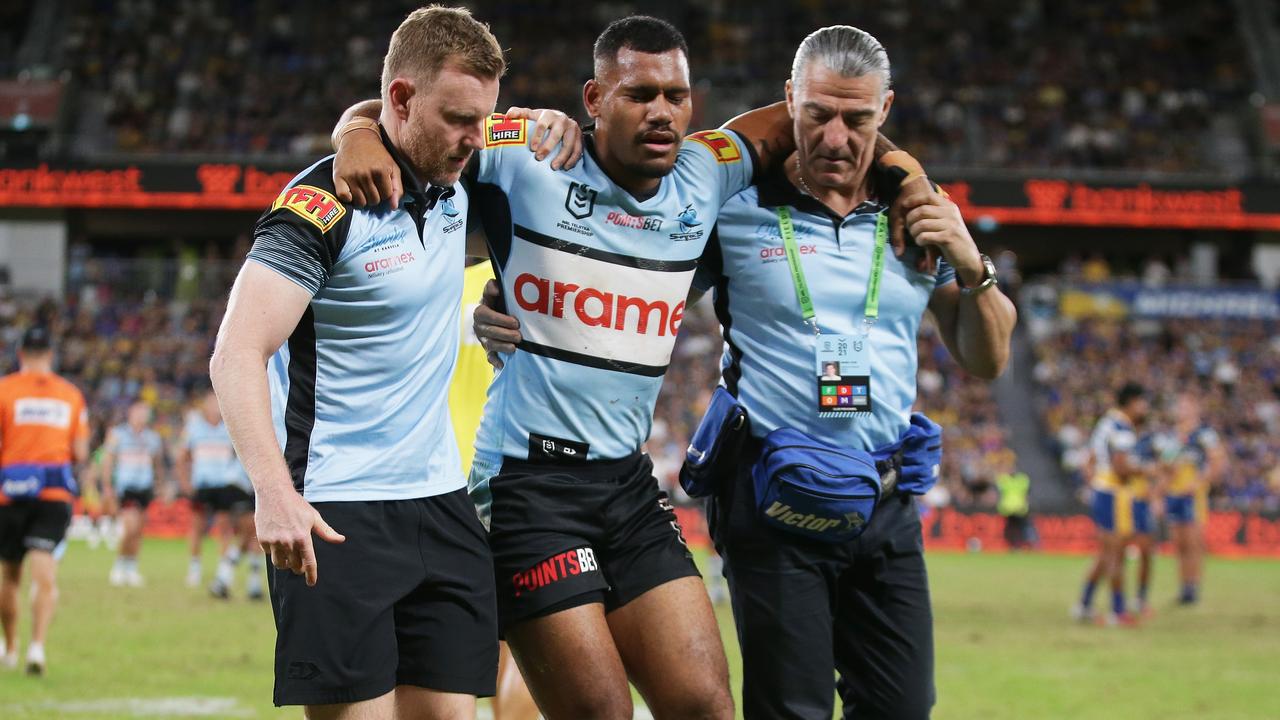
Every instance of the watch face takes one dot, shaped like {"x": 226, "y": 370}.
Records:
{"x": 989, "y": 266}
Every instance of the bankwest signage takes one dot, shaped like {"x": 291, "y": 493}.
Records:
{"x": 1061, "y": 202}
{"x": 1037, "y": 201}
{"x": 204, "y": 186}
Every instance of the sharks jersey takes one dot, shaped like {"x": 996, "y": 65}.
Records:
{"x": 598, "y": 280}
{"x": 135, "y": 454}
{"x": 360, "y": 389}
{"x": 213, "y": 457}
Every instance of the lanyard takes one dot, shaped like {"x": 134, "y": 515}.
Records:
{"x": 872, "y": 310}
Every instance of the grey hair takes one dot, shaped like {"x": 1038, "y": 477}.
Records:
{"x": 845, "y": 49}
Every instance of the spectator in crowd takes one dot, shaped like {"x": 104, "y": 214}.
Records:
{"x": 1004, "y": 89}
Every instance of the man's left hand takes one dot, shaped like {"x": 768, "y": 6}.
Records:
{"x": 548, "y": 129}
{"x": 935, "y": 223}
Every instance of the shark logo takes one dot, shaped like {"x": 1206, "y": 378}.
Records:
{"x": 446, "y": 207}
{"x": 688, "y": 218}
{"x": 689, "y": 222}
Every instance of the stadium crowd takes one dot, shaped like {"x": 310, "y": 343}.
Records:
{"x": 1234, "y": 366}
{"x": 1003, "y": 88}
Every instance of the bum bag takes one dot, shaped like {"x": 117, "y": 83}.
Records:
{"x": 810, "y": 488}
{"x": 715, "y": 445}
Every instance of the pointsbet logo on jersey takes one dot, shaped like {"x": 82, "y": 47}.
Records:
{"x": 500, "y": 130}
{"x": 311, "y": 204}
{"x": 597, "y": 308}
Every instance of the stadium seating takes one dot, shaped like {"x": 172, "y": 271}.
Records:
{"x": 1001, "y": 89}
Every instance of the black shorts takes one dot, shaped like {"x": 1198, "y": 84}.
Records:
{"x": 226, "y": 498}
{"x": 406, "y": 600}
{"x": 32, "y": 525}
{"x": 565, "y": 535}
{"x": 137, "y": 498}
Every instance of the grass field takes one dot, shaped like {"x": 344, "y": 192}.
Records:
{"x": 1005, "y": 647}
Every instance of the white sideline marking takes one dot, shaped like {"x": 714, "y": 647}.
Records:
{"x": 148, "y": 707}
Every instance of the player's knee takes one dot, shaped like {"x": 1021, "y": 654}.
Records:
{"x": 707, "y": 702}
{"x": 603, "y": 706}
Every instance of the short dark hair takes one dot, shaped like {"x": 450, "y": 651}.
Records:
{"x": 36, "y": 339}
{"x": 1129, "y": 392}
{"x": 642, "y": 33}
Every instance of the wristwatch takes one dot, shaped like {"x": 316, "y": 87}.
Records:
{"x": 988, "y": 278}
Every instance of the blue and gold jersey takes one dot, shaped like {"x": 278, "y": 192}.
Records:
{"x": 1191, "y": 460}
{"x": 1112, "y": 435}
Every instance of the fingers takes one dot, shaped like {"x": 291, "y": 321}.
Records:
{"x": 308, "y": 565}
{"x": 489, "y": 296}
{"x": 915, "y": 193}
{"x": 382, "y": 185}
{"x": 497, "y": 339}
{"x": 342, "y": 189}
{"x": 496, "y": 346}
{"x": 397, "y": 186}
{"x": 494, "y": 359}
{"x": 488, "y": 317}
{"x": 325, "y": 532}
{"x": 570, "y": 148}
{"x": 516, "y": 112}
{"x": 543, "y": 138}
{"x": 930, "y": 226}
{"x": 897, "y": 233}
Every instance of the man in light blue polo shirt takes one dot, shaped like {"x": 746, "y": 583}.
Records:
{"x": 342, "y": 327}
{"x": 805, "y": 607}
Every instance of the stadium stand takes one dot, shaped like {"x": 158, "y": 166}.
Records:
{"x": 1003, "y": 89}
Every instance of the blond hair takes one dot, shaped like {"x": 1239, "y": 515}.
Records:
{"x": 431, "y": 36}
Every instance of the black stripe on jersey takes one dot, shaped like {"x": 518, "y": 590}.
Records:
{"x": 713, "y": 260}
{"x": 300, "y": 407}
{"x": 592, "y": 361}
{"x": 547, "y": 241}
{"x": 489, "y": 207}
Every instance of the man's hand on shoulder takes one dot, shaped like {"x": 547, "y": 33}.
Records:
{"x": 364, "y": 173}
{"x": 552, "y": 128}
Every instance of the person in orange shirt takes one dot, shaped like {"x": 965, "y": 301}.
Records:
{"x": 44, "y": 431}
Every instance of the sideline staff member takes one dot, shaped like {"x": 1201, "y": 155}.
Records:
{"x": 44, "y": 428}
{"x": 802, "y": 606}
{"x": 357, "y": 311}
